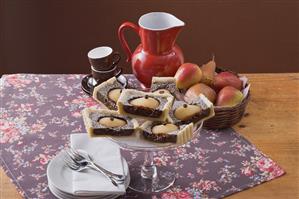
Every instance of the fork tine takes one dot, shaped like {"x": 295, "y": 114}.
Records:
{"x": 77, "y": 154}
{"x": 70, "y": 154}
{"x": 73, "y": 155}
{"x": 73, "y": 167}
{"x": 70, "y": 163}
{"x": 72, "y": 158}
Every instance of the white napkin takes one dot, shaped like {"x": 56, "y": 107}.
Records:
{"x": 105, "y": 153}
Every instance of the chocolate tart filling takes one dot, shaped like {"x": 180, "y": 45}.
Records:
{"x": 113, "y": 132}
{"x": 161, "y": 138}
{"x": 142, "y": 111}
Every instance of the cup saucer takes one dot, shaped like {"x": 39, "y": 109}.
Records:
{"x": 86, "y": 87}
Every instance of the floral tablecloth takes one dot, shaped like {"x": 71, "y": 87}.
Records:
{"x": 39, "y": 112}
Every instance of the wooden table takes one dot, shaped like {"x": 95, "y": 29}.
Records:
{"x": 272, "y": 124}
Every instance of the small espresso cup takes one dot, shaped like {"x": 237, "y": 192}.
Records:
{"x": 103, "y": 58}
{"x": 101, "y": 76}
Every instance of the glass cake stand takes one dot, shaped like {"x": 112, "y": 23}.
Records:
{"x": 147, "y": 177}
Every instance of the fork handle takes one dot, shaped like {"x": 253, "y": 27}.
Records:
{"x": 120, "y": 177}
{"x": 92, "y": 166}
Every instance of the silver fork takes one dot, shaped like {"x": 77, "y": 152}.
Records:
{"x": 85, "y": 158}
{"x": 72, "y": 164}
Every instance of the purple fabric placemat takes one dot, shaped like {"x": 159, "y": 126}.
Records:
{"x": 39, "y": 112}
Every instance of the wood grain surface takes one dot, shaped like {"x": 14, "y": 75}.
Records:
{"x": 271, "y": 123}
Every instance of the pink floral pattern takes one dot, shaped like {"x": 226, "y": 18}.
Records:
{"x": 39, "y": 112}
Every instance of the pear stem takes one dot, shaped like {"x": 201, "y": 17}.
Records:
{"x": 213, "y": 57}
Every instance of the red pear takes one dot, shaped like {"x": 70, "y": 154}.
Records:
{"x": 187, "y": 75}
{"x": 227, "y": 79}
{"x": 229, "y": 96}
{"x": 194, "y": 91}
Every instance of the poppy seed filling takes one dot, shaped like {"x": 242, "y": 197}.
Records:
{"x": 167, "y": 83}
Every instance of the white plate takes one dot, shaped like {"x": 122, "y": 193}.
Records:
{"x": 62, "y": 195}
{"x": 60, "y": 176}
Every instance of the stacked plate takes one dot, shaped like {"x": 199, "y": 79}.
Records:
{"x": 60, "y": 179}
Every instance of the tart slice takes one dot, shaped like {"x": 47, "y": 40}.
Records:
{"x": 103, "y": 122}
{"x": 164, "y": 132}
{"x": 108, "y": 92}
{"x": 151, "y": 106}
{"x": 199, "y": 110}
{"x": 164, "y": 85}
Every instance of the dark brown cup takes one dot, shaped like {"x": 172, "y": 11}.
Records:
{"x": 103, "y": 58}
{"x": 101, "y": 76}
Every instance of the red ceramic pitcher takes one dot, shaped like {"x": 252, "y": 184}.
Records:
{"x": 157, "y": 55}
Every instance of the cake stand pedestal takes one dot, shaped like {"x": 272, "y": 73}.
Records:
{"x": 146, "y": 176}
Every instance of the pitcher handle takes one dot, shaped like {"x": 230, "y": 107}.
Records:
{"x": 122, "y": 39}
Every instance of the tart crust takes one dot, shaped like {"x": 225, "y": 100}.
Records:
{"x": 95, "y": 127}
{"x": 149, "y": 109}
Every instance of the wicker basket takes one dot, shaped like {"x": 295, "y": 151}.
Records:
{"x": 227, "y": 116}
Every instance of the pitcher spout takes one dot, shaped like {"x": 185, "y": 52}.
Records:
{"x": 158, "y": 21}
{"x": 159, "y": 31}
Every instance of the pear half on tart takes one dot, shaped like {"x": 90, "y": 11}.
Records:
{"x": 108, "y": 92}
{"x": 198, "y": 110}
{"x": 103, "y": 122}
{"x": 165, "y": 132}
{"x": 145, "y": 105}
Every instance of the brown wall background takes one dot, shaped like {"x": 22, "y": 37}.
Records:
{"x": 53, "y": 36}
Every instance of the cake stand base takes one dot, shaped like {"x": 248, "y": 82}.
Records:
{"x": 165, "y": 177}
